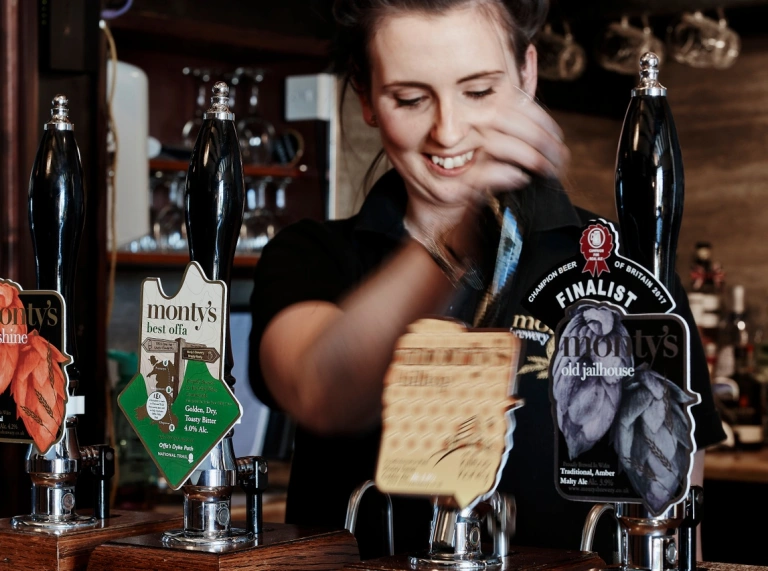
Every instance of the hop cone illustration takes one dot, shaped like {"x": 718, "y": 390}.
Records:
{"x": 652, "y": 436}
{"x": 586, "y": 408}
{"x": 39, "y": 389}
{"x": 10, "y": 304}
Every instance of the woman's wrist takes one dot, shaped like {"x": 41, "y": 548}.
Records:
{"x": 453, "y": 267}
{"x": 456, "y": 262}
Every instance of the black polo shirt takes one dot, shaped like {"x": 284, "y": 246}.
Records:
{"x": 323, "y": 261}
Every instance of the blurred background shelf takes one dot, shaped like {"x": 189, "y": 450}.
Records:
{"x": 276, "y": 171}
{"x": 151, "y": 29}
{"x": 180, "y": 259}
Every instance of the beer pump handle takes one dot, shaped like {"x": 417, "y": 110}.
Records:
{"x": 56, "y": 203}
{"x": 692, "y": 506}
{"x": 649, "y": 177}
{"x": 215, "y": 198}
{"x": 252, "y": 476}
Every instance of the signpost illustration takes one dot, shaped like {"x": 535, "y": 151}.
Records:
{"x": 167, "y": 374}
{"x": 178, "y": 402}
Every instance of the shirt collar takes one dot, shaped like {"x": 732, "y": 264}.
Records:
{"x": 550, "y": 206}
{"x": 384, "y": 207}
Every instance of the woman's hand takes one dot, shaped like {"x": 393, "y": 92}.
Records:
{"x": 514, "y": 141}
{"x": 519, "y": 140}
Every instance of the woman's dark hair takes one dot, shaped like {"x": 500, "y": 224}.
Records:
{"x": 357, "y": 20}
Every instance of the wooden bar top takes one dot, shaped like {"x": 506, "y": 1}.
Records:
{"x": 737, "y": 465}
{"x": 709, "y": 566}
{"x": 280, "y": 547}
{"x": 520, "y": 558}
{"x": 33, "y": 550}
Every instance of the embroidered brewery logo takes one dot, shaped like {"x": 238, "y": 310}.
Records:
{"x": 596, "y": 245}
{"x": 531, "y": 329}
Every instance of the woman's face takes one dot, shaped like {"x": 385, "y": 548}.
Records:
{"x": 436, "y": 82}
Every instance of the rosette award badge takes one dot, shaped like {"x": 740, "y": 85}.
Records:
{"x": 619, "y": 378}
{"x": 178, "y": 402}
{"x": 33, "y": 379}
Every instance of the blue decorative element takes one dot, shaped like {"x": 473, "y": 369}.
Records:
{"x": 508, "y": 256}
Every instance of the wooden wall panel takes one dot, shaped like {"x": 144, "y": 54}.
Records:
{"x": 20, "y": 137}
{"x": 592, "y": 141}
{"x": 723, "y": 124}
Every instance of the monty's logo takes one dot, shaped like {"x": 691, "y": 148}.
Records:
{"x": 193, "y": 313}
{"x": 596, "y": 244}
{"x": 635, "y": 344}
{"x": 30, "y": 315}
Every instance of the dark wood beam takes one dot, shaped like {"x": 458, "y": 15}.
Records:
{"x": 203, "y": 35}
{"x": 18, "y": 139}
{"x": 611, "y": 9}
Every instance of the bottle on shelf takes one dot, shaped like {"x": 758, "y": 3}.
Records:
{"x": 734, "y": 335}
{"x": 736, "y": 361}
{"x": 704, "y": 297}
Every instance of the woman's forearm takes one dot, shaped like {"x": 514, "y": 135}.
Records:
{"x": 330, "y": 379}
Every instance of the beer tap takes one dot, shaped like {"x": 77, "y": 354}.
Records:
{"x": 456, "y": 534}
{"x": 649, "y": 204}
{"x": 649, "y": 177}
{"x": 56, "y": 216}
{"x": 214, "y": 201}
{"x": 455, "y": 540}
{"x": 687, "y": 532}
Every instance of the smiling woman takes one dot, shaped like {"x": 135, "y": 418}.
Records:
{"x": 457, "y": 105}
{"x": 449, "y": 85}
{"x": 438, "y": 122}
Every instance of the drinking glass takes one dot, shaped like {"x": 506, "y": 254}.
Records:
{"x": 259, "y": 222}
{"x": 623, "y": 44}
{"x": 280, "y": 212}
{"x": 255, "y": 133}
{"x": 699, "y": 41}
{"x": 560, "y": 57}
{"x": 169, "y": 228}
{"x": 201, "y": 79}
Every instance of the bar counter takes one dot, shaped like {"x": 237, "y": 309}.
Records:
{"x": 735, "y": 496}
{"x": 707, "y": 566}
{"x": 727, "y": 472}
{"x": 737, "y": 465}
